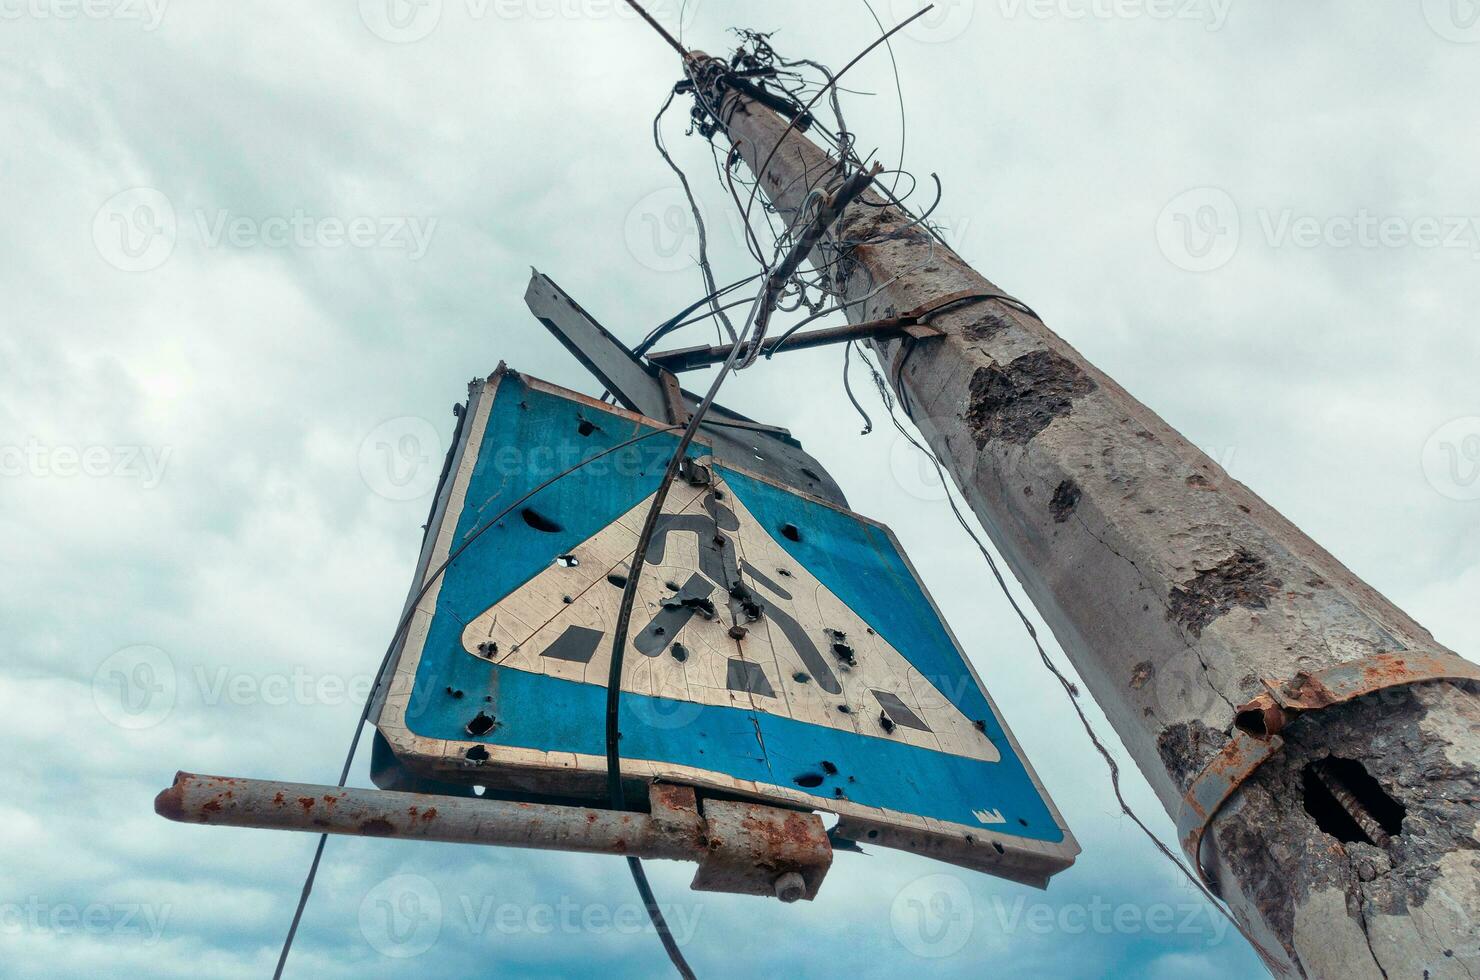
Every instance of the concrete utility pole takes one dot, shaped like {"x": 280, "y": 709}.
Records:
{"x": 1327, "y": 744}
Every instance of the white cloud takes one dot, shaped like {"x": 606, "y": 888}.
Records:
{"x": 262, "y": 550}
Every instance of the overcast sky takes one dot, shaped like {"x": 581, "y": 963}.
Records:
{"x": 248, "y": 243}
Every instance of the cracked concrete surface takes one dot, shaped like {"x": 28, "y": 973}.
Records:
{"x": 1175, "y": 589}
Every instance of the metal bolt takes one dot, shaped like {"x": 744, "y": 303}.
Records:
{"x": 1353, "y": 807}
{"x": 790, "y": 887}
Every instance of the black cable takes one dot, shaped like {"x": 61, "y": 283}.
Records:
{"x": 832, "y": 82}
{"x": 683, "y": 179}
{"x": 672, "y": 323}
{"x": 313, "y": 868}
{"x": 868, "y": 423}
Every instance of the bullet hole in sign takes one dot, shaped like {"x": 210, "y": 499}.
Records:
{"x": 539, "y": 521}
{"x": 585, "y": 427}
{"x": 790, "y": 532}
{"x": 481, "y": 724}
{"x": 808, "y": 780}
{"x": 829, "y": 768}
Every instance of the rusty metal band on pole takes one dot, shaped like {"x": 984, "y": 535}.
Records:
{"x": 1258, "y": 723}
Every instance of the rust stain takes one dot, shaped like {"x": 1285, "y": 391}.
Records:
{"x": 431, "y": 813}
{"x": 170, "y": 803}
{"x": 306, "y": 802}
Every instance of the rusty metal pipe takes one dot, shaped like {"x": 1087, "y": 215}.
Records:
{"x": 741, "y": 848}
{"x": 271, "y": 805}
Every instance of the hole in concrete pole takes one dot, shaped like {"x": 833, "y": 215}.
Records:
{"x": 1349, "y": 804}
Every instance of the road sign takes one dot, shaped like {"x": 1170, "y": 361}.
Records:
{"x": 783, "y": 648}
